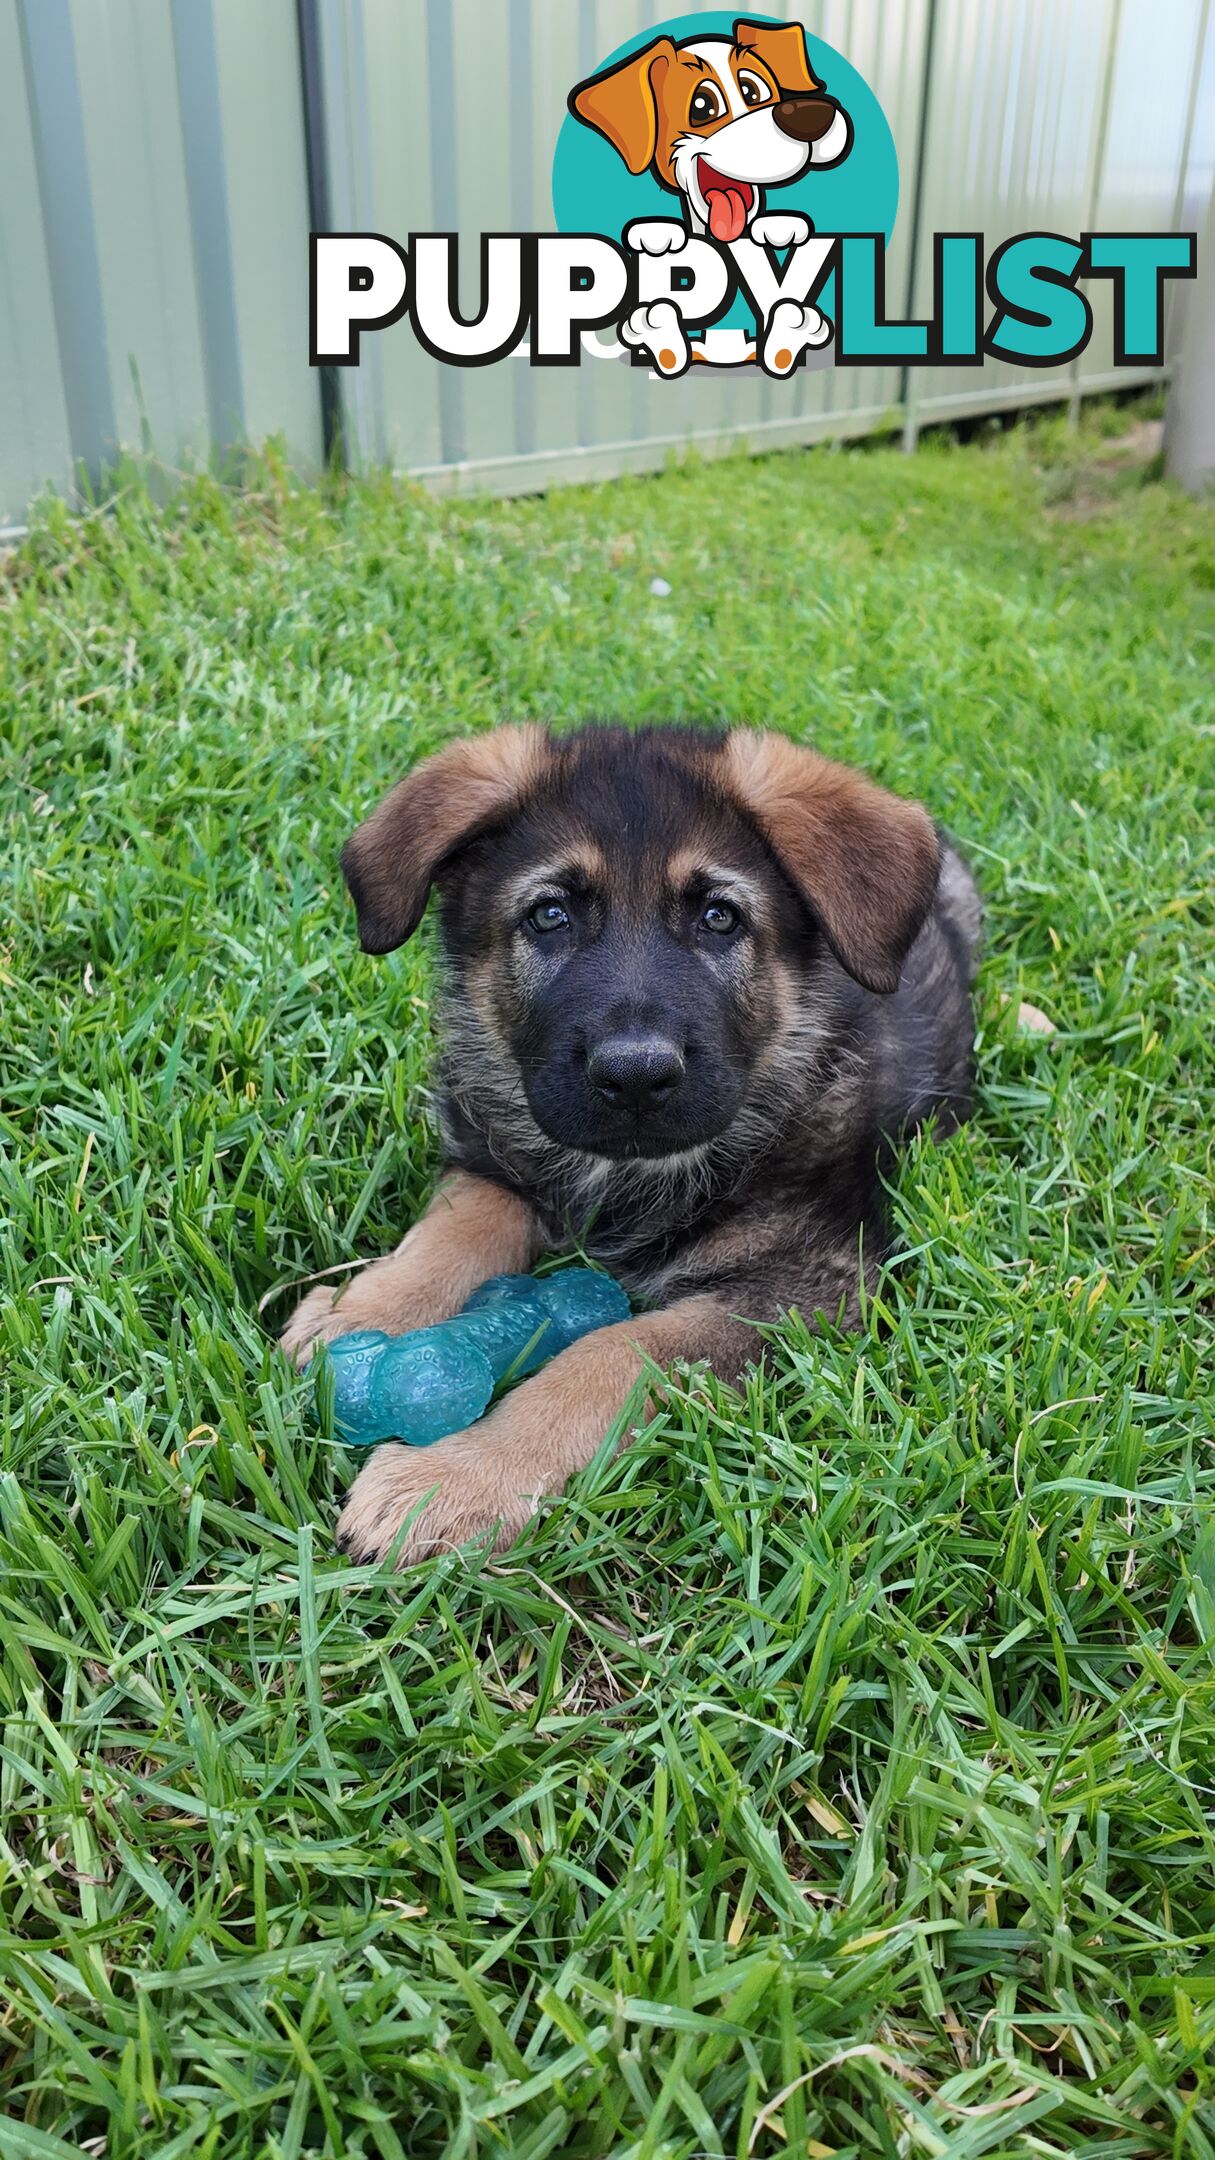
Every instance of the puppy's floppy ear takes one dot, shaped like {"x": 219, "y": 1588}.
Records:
{"x": 391, "y": 861}
{"x": 782, "y": 48}
{"x": 623, "y": 103}
{"x": 865, "y": 862}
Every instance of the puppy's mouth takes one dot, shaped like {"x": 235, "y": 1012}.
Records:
{"x": 729, "y": 202}
{"x": 643, "y": 1146}
{"x": 592, "y": 1128}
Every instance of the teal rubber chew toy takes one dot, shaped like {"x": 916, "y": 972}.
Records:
{"x": 437, "y": 1380}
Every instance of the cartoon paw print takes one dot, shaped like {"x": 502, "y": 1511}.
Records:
{"x": 657, "y": 329}
{"x": 781, "y": 228}
{"x": 792, "y": 330}
{"x": 656, "y": 236}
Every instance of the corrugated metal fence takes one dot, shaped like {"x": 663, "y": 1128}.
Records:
{"x": 160, "y": 161}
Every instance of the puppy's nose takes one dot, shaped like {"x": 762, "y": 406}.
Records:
{"x": 804, "y": 116}
{"x": 635, "y": 1072}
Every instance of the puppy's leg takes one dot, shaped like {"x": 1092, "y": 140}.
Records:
{"x": 490, "y": 1476}
{"x": 471, "y": 1229}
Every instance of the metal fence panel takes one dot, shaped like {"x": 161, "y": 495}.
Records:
{"x": 153, "y": 222}
{"x": 264, "y": 176}
{"x": 69, "y": 230}
{"x": 1156, "y": 71}
{"x": 35, "y": 444}
{"x": 160, "y": 161}
{"x": 132, "y": 145}
{"x": 1012, "y": 145}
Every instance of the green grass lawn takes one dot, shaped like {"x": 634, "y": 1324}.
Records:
{"x": 833, "y": 1773}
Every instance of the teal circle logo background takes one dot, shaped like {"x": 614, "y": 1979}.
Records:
{"x": 594, "y": 191}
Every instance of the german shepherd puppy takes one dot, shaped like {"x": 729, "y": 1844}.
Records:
{"x": 696, "y": 985}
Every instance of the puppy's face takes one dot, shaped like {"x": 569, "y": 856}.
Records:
{"x": 632, "y": 921}
{"x": 623, "y": 941}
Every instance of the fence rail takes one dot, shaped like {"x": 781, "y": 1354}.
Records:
{"x": 162, "y": 161}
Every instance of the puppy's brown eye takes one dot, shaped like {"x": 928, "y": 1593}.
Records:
{"x": 720, "y": 917}
{"x": 548, "y": 915}
{"x": 707, "y": 104}
{"x": 754, "y": 92}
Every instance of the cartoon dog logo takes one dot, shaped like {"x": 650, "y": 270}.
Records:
{"x": 755, "y": 100}
{"x": 718, "y": 120}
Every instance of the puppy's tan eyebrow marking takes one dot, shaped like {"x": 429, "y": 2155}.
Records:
{"x": 564, "y": 872}
{"x": 690, "y": 867}
{"x": 693, "y": 863}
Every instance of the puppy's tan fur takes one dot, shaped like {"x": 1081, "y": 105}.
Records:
{"x": 854, "y": 849}
{"x": 397, "y": 852}
{"x": 471, "y": 1229}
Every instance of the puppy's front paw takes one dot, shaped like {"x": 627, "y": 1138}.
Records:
{"x": 450, "y": 1490}
{"x": 389, "y": 1294}
{"x": 316, "y": 1319}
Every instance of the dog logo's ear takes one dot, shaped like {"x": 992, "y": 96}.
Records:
{"x": 864, "y": 862}
{"x": 392, "y": 860}
{"x": 623, "y": 103}
{"x": 782, "y": 48}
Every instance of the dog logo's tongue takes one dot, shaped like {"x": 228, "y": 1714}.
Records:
{"x": 727, "y": 215}
{"x": 728, "y": 202}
